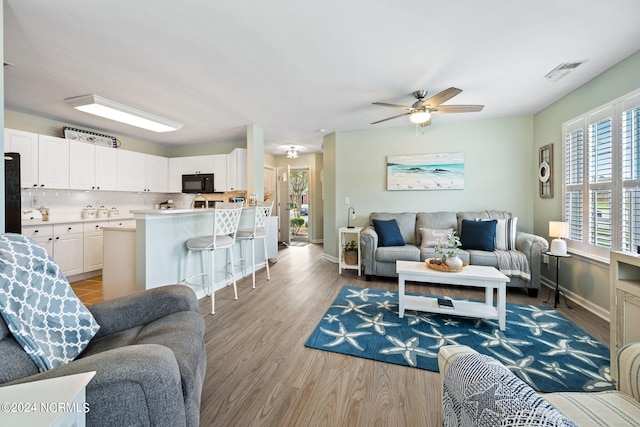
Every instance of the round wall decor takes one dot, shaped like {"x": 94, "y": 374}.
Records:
{"x": 544, "y": 172}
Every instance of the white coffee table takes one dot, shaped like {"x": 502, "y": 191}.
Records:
{"x": 473, "y": 275}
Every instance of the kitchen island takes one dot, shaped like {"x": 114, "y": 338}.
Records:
{"x": 161, "y": 251}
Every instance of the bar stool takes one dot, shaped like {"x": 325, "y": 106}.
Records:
{"x": 226, "y": 217}
{"x": 262, "y": 211}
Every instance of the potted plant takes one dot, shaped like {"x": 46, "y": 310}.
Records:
{"x": 448, "y": 251}
{"x": 350, "y": 252}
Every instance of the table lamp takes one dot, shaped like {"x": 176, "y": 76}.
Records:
{"x": 559, "y": 230}
{"x": 351, "y": 214}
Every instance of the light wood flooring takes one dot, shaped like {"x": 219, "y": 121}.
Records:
{"x": 260, "y": 374}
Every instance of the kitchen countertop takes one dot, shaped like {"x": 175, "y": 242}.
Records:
{"x": 68, "y": 220}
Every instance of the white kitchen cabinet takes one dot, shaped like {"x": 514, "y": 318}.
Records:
{"x": 197, "y": 164}
{"x": 157, "y": 170}
{"x": 68, "y": 248}
{"x": 220, "y": 182}
{"x": 82, "y": 166}
{"x": 176, "y": 165}
{"x": 41, "y": 234}
{"x": 92, "y": 252}
{"x": 125, "y": 223}
{"x": 237, "y": 170}
{"x": 106, "y": 168}
{"x": 26, "y": 144}
{"x": 132, "y": 171}
{"x": 53, "y": 162}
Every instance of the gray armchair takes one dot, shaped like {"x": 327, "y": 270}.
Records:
{"x": 148, "y": 355}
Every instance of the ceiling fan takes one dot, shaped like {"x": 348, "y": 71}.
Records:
{"x": 421, "y": 110}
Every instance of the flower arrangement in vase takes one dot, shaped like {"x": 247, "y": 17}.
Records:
{"x": 447, "y": 252}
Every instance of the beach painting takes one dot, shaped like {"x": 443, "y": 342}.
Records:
{"x": 444, "y": 171}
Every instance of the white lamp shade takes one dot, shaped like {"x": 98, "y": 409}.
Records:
{"x": 420, "y": 117}
{"x": 558, "y": 229}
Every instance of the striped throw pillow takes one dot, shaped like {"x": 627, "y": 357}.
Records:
{"x": 506, "y": 234}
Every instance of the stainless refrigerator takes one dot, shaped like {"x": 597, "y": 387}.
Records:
{"x": 12, "y": 208}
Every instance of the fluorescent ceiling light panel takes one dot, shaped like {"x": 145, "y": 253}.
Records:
{"x": 99, "y": 106}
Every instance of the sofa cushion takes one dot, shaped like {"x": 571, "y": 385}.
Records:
{"x": 398, "y": 253}
{"x": 506, "y": 234}
{"x": 388, "y": 233}
{"x": 474, "y": 216}
{"x": 484, "y": 258}
{"x": 430, "y": 238}
{"x": 435, "y": 220}
{"x": 478, "y": 235}
{"x": 406, "y": 223}
{"x": 44, "y": 315}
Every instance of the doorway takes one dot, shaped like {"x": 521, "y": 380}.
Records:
{"x": 299, "y": 205}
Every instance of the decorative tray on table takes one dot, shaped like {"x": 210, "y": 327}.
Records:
{"x": 443, "y": 267}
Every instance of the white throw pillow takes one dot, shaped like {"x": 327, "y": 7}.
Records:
{"x": 433, "y": 237}
{"x": 506, "y": 234}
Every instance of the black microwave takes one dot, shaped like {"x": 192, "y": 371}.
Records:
{"x": 198, "y": 183}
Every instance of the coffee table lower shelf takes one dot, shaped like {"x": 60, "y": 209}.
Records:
{"x": 460, "y": 308}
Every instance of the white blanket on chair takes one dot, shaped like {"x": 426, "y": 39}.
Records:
{"x": 514, "y": 264}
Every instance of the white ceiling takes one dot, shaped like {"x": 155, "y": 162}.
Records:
{"x": 294, "y": 68}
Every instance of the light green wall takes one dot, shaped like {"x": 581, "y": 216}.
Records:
{"x": 498, "y": 171}
{"x": 204, "y": 149}
{"x": 586, "y": 279}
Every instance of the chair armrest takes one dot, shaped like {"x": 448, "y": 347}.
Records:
{"x": 449, "y": 354}
{"x": 133, "y": 385}
{"x": 142, "y": 308}
{"x": 629, "y": 370}
{"x": 532, "y": 246}
{"x": 369, "y": 243}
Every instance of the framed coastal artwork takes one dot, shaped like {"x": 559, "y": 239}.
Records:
{"x": 443, "y": 171}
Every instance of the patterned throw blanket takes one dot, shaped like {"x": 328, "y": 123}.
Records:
{"x": 514, "y": 264}
{"x": 479, "y": 391}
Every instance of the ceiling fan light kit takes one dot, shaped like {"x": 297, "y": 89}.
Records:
{"x": 112, "y": 110}
{"x": 421, "y": 110}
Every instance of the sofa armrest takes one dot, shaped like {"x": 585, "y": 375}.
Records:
{"x": 133, "y": 385}
{"x": 532, "y": 246}
{"x": 369, "y": 243}
{"x": 629, "y": 370}
{"x": 123, "y": 313}
{"x": 449, "y": 354}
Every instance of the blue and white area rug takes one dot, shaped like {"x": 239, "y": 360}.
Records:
{"x": 540, "y": 345}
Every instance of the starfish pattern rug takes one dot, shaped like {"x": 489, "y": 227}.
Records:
{"x": 539, "y": 345}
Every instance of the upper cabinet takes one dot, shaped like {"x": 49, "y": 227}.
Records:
{"x": 132, "y": 171}
{"x": 197, "y": 164}
{"x": 92, "y": 167}
{"x": 237, "y": 170}
{"x": 220, "y": 173}
{"x": 157, "y": 171}
{"x": 26, "y": 144}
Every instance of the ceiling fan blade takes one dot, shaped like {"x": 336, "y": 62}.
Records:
{"x": 445, "y": 109}
{"x": 384, "y": 104}
{"x": 391, "y": 118}
{"x": 441, "y": 97}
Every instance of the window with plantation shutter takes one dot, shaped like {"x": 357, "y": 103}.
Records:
{"x": 601, "y": 185}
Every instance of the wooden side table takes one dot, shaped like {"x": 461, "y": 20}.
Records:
{"x": 343, "y": 235}
{"x": 557, "y": 290}
{"x": 53, "y": 402}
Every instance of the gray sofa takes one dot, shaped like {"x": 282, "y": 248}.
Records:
{"x": 148, "y": 355}
{"x": 381, "y": 261}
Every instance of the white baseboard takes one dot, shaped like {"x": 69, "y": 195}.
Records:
{"x": 330, "y": 258}
{"x": 597, "y": 310}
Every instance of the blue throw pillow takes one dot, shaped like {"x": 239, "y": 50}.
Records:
{"x": 478, "y": 235}
{"x": 44, "y": 315}
{"x": 388, "y": 233}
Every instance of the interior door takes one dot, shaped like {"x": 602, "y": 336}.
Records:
{"x": 283, "y": 204}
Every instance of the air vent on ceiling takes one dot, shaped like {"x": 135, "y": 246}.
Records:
{"x": 562, "y": 70}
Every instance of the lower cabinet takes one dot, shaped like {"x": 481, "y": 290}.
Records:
{"x": 68, "y": 248}
{"x": 75, "y": 247}
{"x": 93, "y": 245}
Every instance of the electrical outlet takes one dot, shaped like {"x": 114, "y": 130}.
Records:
{"x": 545, "y": 259}
{"x": 347, "y": 200}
